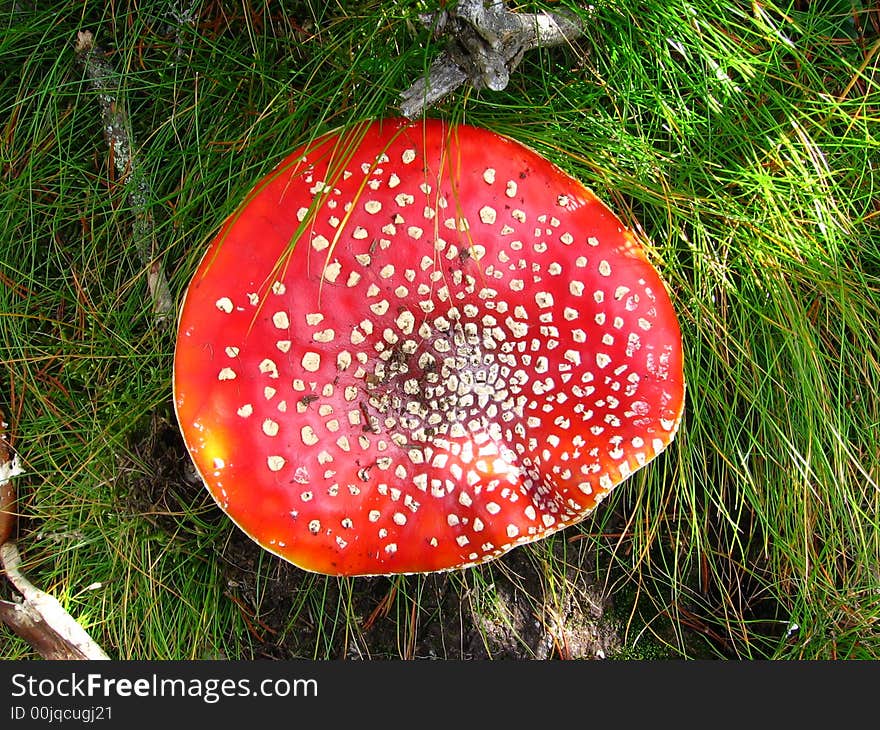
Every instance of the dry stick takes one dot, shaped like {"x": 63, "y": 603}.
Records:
{"x": 182, "y": 12}
{"x": 486, "y": 42}
{"x": 117, "y": 132}
{"x": 39, "y": 618}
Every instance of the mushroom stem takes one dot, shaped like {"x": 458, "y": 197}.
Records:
{"x": 486, "y": 42}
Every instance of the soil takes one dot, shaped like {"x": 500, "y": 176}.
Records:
{"x": 507, "y": 619}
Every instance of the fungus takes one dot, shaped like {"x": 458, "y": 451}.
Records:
{"x": 416, "y": 346}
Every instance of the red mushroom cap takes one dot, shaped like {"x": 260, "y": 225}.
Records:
{"x": 416, "y": 346}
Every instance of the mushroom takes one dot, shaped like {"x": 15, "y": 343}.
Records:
{"x": 417, "y": 345}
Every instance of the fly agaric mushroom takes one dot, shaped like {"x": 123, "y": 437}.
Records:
{"x": 416, "y": 346}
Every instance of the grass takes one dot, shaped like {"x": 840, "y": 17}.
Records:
{"x": 740, "y": 139}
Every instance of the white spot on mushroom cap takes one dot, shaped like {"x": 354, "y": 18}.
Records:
{"x": 226, "y": 374}
{"x": 544, "y": 299}
{"x": 311, "y": 361}
{"x": 319, "y": 242}
{"x": 331, "y": 271}
{"x": 268, "y": 367}
{"x": 308, "y": 435}
{"x": 324, "y": 336}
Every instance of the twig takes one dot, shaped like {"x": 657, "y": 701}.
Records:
{"x": 117, "y": 132}
{"x": 181, "y": 13}
{"x": 486, "y": 42}
{"x": 38, "y": 618}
